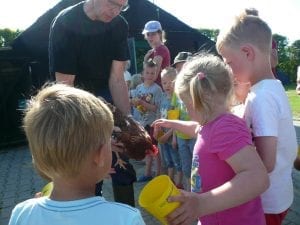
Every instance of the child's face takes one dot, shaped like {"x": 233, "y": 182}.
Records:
{"x": 153, "y": 38}
{"x": 194, "y": 115}
{"x": 179, "y": 66}
{"x": 241, "y": 90}
{"x": 239, "y": 62}
{"x": 149, "y": 75}
{"x": 167, "y": 84}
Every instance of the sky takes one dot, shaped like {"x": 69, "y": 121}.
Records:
{"x": 282, "y": 16}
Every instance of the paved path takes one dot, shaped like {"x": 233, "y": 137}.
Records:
{"x": 18, "y": 181}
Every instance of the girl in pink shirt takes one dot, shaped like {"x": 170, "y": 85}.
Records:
{"x": 227, "y": 173}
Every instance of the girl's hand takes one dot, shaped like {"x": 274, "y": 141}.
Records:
{"x": 161, "y": 123}
{"x": 188, "y": 211}
{"x": 157, "y": 125}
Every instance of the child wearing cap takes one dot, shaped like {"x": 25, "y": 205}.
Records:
{"x": 69, "y": 134}
{"x": 160, "y": 53}
{"x": 180, "y": 60}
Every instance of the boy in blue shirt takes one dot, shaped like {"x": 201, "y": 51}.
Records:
{"x": 69, "y": 134}
{"x": 146, "y": 100}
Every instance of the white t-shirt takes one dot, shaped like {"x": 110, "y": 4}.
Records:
{"x": 127, "y": 76}
{"x": 91, "y": 211}
{"x": 268, "y": 113}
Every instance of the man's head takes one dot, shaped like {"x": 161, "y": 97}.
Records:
{"x": 107, "y": 10}
{"x": 245, "y": 45}
{"x": 64, "y": 127}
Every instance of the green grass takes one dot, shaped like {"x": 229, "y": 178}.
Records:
{"x": 294, "y": 100}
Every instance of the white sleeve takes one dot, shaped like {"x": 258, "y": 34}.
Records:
{"x": 262, "y": 114}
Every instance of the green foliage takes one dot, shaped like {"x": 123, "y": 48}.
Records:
{"x": 288, "y": 56}
{"x": 7, "y": 36}
{"x": 141, "y": 48}
{"x": 210, "y": 33}
{"x": 294, "y": 100}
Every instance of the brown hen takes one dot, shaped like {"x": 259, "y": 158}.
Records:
{"x": 136, "y": 140}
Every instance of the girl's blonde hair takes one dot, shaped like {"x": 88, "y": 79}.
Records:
{"x": 246, "y": 29}
{"x": 63, "y": 125}
{"x": 207, "y": 80}
{"x": 169, "y": 72}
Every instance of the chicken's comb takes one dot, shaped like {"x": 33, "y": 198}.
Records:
{"x": 153, "y": 151}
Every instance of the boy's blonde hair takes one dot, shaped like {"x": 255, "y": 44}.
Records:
{"x": 63, "y": 125}
{"x": 246, "y": 29}
{"x": 169, "y": 72}
{"x": 205, "y": 79}
{"x": 150, "y": 63}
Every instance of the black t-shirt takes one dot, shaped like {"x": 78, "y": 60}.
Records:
{"x": 86, "y": 48}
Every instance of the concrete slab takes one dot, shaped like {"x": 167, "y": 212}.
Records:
{"x": 19, "y": 181}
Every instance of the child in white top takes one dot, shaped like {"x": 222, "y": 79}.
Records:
{"x": 69, "y": 134}
{"x": 246, "y": 48}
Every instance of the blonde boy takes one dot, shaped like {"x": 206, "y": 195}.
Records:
{"x": 246, "y": 47}
{"x": 69, "y": 133}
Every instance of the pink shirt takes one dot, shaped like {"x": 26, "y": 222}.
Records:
{"x": 217, "y": 141}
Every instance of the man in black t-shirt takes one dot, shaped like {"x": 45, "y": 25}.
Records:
{"x": 88, "y": 49}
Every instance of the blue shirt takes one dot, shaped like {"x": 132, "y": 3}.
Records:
{"x": 151, "y": 95}
{"x": 91, "y": 211}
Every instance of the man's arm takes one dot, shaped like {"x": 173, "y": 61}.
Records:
{"x": 118, "y": 87}
{"x": 65, "y": 78}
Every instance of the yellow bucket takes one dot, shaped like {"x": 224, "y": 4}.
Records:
{"x": 47, "y": 189}
{"x": 154, "y": 197}
{"x": 173, "y": 114}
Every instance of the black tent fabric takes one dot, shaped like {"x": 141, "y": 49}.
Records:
{"x": 34, "y": 40}
{"x": 24, "y": 67}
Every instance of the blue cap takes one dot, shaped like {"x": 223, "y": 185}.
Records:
{"x": 152, "y": 26}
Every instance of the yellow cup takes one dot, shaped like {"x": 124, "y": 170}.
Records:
{"x": 47, "y": 189}
{"x": 173, "y": 114}
{"x": 154, "y": 197}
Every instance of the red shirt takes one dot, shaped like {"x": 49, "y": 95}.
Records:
{"x": 164, "y": 52}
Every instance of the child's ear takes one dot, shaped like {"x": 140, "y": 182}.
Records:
{"x": 248, "y": 51}
{"x": 98, "y": 156}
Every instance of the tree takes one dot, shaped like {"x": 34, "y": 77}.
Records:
{"x": 210, "y": 33}
{"x": 7, "y": 36}
{"x": 294, "y": 59}
{"x": 282, "y": 43}
{"x": 287, "y": 56}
